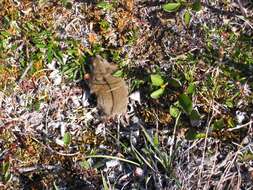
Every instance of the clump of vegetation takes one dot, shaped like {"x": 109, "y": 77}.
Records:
{"x": 189, "y": 64}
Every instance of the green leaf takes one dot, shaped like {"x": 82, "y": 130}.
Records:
{"x": 192, "y": 134}
{"x": 5, "y": 167}
{"x": 118, "y": 73}
{"x": 40, "y": 45}
{"x": 96, "y": 48}
{"x": 195, "y": 118}
{"x": 157, "y": 80}
{"x": 200, "y": 135}
{"x": 49, "y": 55}
{"x": 229, "y": 103}
{"x": 136, "y": 84}
{"x": 58, "y": 55}
{"x": 191, "y": 88}
{"x": 67, "y": 4}
{"x": 104, "y": 24}
{"x": 218, "y": 124}
{"x": 105, "y": 5}
{"x": 247, "y": 156}
{"x": 7, "y": 177}
{"x": 157, "y": 94}
{"x": 105, "y": 185}
{"x": 195, "y": 115}
{"x": 85, "y": 164}
{"x": 171, "y": 7}
{"x": 231, "y": 122}
{"x": 5, "y": 34}
{"x": 187, "y": 18}
{"x": 115, "y": 55}
{"x": 67, "y": 139}
{"x": 174, "y": 82}
{"x": 55, "y": 186}
{"x": 36, "y": 105}
{"x": 6, "y": 21}
{"x": 196, "y": 6}
{"x": 174, "y": 111}
{"x": 156, "y": 140}
{"x": 186, "y": 103}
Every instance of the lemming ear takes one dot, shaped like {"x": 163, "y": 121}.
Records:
{"x": 112, "y": 68}
{"x": 101, "y": 65}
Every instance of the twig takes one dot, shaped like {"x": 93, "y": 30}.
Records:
{"x": 65, "y": 154}
{"x": 205, "y": 145}
{"x": 245, "y": 20}
{"x": 224, "y": 175}
{"x": 228, "y": 168}
{"x": 241, "y": 126}
{"x": 25, "y": 72}
{"x": 36, "y": 167}
{"x": 174, "y": 135}
{"x": 54, "y": 151}
{"x": 118, "y": 131}
{"x": 28, "y": 66}
{"x": 241, "y": 8}
{"x": 239, "y": 177}
{"x": 213, "y": 168}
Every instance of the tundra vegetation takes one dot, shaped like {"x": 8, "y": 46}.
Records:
{"x": 188, "y": 66}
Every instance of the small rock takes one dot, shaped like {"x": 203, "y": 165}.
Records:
{"x": 138, "y": 172}
{"x": 136, "y": 96}
{"x": 100, "y": 129}
{"x": 56, "y": 77}
{"x": 85, "y": 99}
{"x": 240, "y": 116}
{"x": 75, "y": 101}
{"x": 59, "y": 142}
{"x": 112, "y": 164}
{"x": 1, "y": 98}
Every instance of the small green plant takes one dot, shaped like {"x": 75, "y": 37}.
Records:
{"x": 174, "y": 111}
{"x": 218, "y": 125}
{"x": 189, "y": 7}
{"x": 152, "y": 154}
{"x": 105, "y": 182}
{"x": 157, "y": 82}
{"x": 67, "y": 139}
{"x": 186, "y": 103}
{"x": 187, "y": 17}
{"x": 41, "y": 46}
{"x": 105, "y": 5}
{"x": 104, "y": 24}
{"x": 66, "y": 3}
{"x": 173, "y": 7}
{"x": 5, "y": 172}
